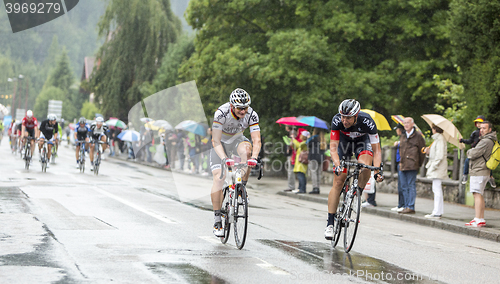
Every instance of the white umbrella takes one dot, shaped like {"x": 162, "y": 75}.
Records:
{"x": 450, "y": 132}
{"x": 129, "y": 135}
{"x": 4, "y": 110}
{"x": 163, "y": 124}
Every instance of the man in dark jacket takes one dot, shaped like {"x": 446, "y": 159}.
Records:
{"x": 411, "y": 144}
{"x": 479, "y": 172}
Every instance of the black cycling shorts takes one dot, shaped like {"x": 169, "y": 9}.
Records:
{"x": 359, "y": 147}
{"x": 31, "y": 132}
{"x": 229, "y": 149}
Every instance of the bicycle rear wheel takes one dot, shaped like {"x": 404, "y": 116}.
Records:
{"x": 353, "y": 200}
{"x": 225, "y": 215}
{"x": 240, "y": 216}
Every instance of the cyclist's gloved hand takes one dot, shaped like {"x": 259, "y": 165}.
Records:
{"x": 338, "y": 170}
{"x": 252, "y": 162}
{"x": 378, "y": 177}
{"x": 228, "y": 162}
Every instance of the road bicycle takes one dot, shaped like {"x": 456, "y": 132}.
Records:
{"x": 81, "y": 159}
{"x": 43, "y": 154}
{"x": 97, "y": 144}
{"x": 28, "y": 153}
{"x": 234, "y": 208}
{"x": 349, "y": 208}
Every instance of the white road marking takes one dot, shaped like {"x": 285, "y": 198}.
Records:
{"x": 271, "y": 268}
{"x": 136, "y": 207}
{"x": 210, "y": 239}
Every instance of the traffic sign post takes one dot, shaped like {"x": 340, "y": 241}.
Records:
{"x": 55, "y": 107}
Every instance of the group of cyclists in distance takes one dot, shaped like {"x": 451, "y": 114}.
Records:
{"x": 353, "y": 132}
{"x": 50, "y": 131}
{"x": 29, "y": 128}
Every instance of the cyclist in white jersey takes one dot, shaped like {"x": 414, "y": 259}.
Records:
{"x": 230, "y": 120}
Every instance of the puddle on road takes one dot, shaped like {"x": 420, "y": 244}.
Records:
{"x": 334, "y": 261}
{"x": 183, "y": 272}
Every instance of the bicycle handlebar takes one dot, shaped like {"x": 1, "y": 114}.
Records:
{"x": 241, "y": 166}
{"x": 344, "y": 163}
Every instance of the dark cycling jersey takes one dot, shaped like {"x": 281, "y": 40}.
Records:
{"x": 48, "y": 130}
{"x": 82, "y": 132}
{"x": 357, "y": 139}
{"x": 357, "y": 132}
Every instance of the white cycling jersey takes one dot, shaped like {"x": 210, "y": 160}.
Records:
{"x": 232, "y": 127}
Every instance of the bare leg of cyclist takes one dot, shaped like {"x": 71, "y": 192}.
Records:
{"x": 217, "y": 196}
{"x": 334, "y": 195}
{"x": 104, "y": 146}
{"x": 91, "y": 154}
{"x": 364, "y": 175}
{"x": 49, "y": 151}
{"x": 245, "y": 152}
{"x": 216, "y": 192}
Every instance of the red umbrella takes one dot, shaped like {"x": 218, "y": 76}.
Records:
{"x": 291, "y": 120}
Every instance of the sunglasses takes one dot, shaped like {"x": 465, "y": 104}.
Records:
{"x": 242, "y": 108}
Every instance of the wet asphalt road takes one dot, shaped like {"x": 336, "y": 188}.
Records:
{"x": 137, "y": 224}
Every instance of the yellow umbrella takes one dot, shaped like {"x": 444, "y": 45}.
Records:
{"x": 450, "y": 132}
{"x": 379, "y": 119}
{"x": 151, "y": 126}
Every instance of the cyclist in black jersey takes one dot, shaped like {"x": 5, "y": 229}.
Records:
{"x": 353, "y": 132}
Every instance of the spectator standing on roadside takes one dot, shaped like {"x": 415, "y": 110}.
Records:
{"x": 479, "y": 173}
{"x": 437, "y": 169}
{"x": 300, "y": 169}
{"x": 399, "y": 131}
{"x": 181, "y": 136}
{"x": 472, "y": 141}
{"x": 411, "y": 145}
{"x": 290, "y": 155}
{"x": 315, "y": 165}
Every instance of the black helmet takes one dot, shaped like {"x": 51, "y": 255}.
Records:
{"x": 349, "y": 107}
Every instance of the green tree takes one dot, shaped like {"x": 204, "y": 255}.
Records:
{"x": 61, "y": 76}
{"x": 305, "y": 56}
{"x": 475, "y": 33}
{"x": 138, "y": 33}
{"x": 53, "y": 93}
{"x": 89, "y": 110}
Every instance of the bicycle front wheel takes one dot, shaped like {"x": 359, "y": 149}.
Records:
{"x": 27, "y": 157}
{"x": 225, "y": 215}
{"x": 240, "y": 216}
{"x": 351, "y": 221}
{"x": 44, "y": 160}
{"x": 337, "y": 226}
{"x": 97, "y": 162}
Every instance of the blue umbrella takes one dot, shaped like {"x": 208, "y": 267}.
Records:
{"x": 129, "y": 135}
{"x": 192, "y": 126}
{"x": 314, "y": 122}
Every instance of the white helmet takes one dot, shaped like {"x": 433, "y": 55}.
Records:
{"x": 349, "y": 107}
{"x": 99, "y": 119}
{"x": 29, "y": 113}
{"x": 52, "y": 117}
{"x": 240, "y": 98}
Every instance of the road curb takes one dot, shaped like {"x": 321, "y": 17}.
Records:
{"x": 447, "y": 225}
